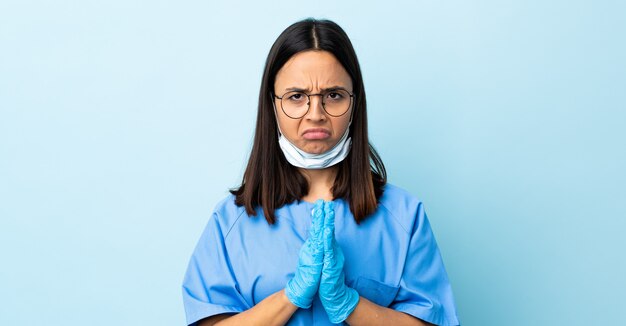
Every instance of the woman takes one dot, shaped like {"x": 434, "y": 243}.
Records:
{"x": 337, "y": 243}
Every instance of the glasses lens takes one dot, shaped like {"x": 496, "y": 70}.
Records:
{"x": 295, "y": 104}
{"x": 337, "y": 102}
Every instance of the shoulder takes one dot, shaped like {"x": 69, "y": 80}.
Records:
{"x": 401, "y": 205}
{"x": 226, "y": 213}
{"x": 398, "y": 197}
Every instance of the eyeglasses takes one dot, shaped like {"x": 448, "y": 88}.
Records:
{"x": 336, "y": 102}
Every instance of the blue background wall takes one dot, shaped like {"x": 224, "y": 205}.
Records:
{"x": 122, "y": 123}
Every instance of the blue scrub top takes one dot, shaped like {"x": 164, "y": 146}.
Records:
{"x": 391, "y": 258}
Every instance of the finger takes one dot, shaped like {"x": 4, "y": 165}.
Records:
{"x": 329, "y": 212}
{"x": 318, "y": 222}
{"x": 319, "y": 235}
{"x": 328, "y": 243}
{"x": 329, "y": 207}
{"x": 329, "y": 232}
{"x": 318, "y": 219}
{"x": 319, "y": 205}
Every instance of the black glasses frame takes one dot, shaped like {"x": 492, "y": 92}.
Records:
{"x": 309, "y": 101}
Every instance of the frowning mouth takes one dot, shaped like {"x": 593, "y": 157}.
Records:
{"x": 316, "y": 133}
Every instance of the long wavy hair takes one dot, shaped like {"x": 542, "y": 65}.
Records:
{"x": 269, "y": 180}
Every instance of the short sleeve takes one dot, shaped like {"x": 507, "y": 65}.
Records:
{"x": 425, "y": 291}
{"x": 209, "y": 286}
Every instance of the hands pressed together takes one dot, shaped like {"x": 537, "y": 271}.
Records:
{"x": 320, "y": 269}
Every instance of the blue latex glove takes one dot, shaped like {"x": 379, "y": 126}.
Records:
{"x": 301, "y": 289}
{"x": 338, "y": 299}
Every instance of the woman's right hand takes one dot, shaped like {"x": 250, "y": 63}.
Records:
{"x": 302, "y": 288}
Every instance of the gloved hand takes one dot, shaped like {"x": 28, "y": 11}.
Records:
{"x": 338, "y": 299}
{"x": 301, "y": 289}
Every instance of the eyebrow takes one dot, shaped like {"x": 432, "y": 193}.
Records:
{"x": 298, "y": 89}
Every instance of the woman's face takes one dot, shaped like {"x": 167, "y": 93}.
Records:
{"x": 313, "y": 71}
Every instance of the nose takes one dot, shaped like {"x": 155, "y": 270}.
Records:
{"x": 316, "y": 109}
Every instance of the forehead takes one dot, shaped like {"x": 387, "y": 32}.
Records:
{"x": 312, "y": 70}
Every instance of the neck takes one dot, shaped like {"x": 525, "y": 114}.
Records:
{"x": 320, "y": 183}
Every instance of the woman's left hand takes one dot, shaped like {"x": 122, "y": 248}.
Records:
{"x": 338, "y": 299}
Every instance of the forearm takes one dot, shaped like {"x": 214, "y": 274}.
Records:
{"x": 276, "y": 309}
{"x": 369, "y": 313}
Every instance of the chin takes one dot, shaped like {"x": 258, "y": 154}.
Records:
{"x": 315, "y": 152}
{"x": 315, "y": 149}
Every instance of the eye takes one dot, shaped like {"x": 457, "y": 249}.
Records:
{"x": 295, "y": 97}
{"x": 335, "y": 96}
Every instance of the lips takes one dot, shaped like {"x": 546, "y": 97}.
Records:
{"x": 316, "y": 133}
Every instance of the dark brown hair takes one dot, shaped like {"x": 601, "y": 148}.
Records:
{"x": 269, "y": 180}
